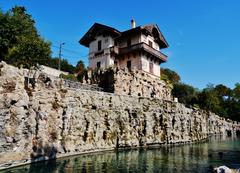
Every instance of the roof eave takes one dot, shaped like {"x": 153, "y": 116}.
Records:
{"x": 86, "y": 39}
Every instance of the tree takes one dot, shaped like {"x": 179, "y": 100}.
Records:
{"x": 65, "y": 65}
{"x": 209, "y": 100}
{"x": 236, "y": 92}
{"x": 80, "y": 67}
{"x": 169, "y": 75}
{"x": 186, "y": 94}
{"x": 222, "y": 91}
{"x": 20, "y": 43}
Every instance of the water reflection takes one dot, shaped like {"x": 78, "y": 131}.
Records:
{"x": 188, "y": 159}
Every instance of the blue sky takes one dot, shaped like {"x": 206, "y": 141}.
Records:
{"x": 203, "y": 35}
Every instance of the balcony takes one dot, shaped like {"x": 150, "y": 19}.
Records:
{"x": 144, "y": 47}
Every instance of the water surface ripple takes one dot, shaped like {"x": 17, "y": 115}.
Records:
{"x": 194, "y": 158}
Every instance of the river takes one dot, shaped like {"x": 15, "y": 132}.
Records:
{"x": 191, "y": 158}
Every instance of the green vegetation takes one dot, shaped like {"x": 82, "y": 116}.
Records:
{"x": 169, "y": 76}
{"x": 21, "y": 45}
{"x": 65, "y": 66}
{"x": 81, "y": 71}
{"x": 219, "y": 99}
{"x": 71, "y": 77}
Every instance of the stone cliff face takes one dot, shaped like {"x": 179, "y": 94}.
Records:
{"x": 133, "y": 82}
{"x": 42, "y": 119}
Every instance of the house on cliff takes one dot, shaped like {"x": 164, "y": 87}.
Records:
{"x": 137, "y": 48}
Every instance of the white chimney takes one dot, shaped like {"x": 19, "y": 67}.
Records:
{"x": 133, "y": 23}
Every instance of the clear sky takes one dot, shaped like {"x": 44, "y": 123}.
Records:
{"x": 204, "y": 35}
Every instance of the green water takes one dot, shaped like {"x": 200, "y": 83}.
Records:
{"x": 179, "y": 159}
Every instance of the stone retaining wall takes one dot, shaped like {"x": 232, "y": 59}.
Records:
{"x": 129, "y": 82}
{"x": 48, "y": 120}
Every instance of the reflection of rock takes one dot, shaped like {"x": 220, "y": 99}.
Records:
{"x": 51, "y": 120}
{"x": 224, "y": 169}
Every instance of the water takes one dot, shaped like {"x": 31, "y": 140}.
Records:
{"x": 194, "y": 158}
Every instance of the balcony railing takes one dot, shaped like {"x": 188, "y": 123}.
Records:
{"x": 145, "y": 47}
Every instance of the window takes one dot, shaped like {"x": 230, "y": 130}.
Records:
{"x": 150, "y": 43}
{"x": 129, "y": 64}
{"x": 151, "y": 67}
{"x": 98, "y": 64}
{"x": 129, "y": 43}
{"x": 99, "y": 45}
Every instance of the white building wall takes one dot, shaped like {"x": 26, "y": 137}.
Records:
{"x": 134, "y": 40}
{"x": 106, "y": 43}
{"x": 135, "y": 62}
{"x": 156, "y": 69}
{"x": 146, "y": 67}
{"x": 102, "y": 59}
{"x": 145, "y": 39}
{"x": 105, "y": 58}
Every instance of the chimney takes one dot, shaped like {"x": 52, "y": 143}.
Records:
{"x": 133, "y": 23}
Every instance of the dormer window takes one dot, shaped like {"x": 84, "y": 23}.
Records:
{"x": 99, "y": 45}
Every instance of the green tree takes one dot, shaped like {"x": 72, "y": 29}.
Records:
{"x": 222, "y": 91}
{"x": 80, "y": 67}
{"x": 65, "y": 65}
{"x": 185, "y": 93}
{"x": 169, "y": 75}
{"x": 236, "y": 92}
{"x": 209, "y": 100}
{"x": 20, "y": 43}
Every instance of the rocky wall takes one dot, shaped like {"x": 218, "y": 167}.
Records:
{"x": 45, "y": 120}
{"x": 132, "y": 82}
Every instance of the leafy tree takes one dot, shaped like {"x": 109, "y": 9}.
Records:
{"x": 80, "y": 67}
{"x": 65, "y": 65}
{"x": 185, "y": 93}
{"x": 236, "y": 92}
{"x": 222, "y": 91}
{"x": 20, "y": 43}
{"x": 208, "y": 100}
{"x": 169, "y": 75}
{"x": 29, "y": 53}
{"x": 212, "y": 99}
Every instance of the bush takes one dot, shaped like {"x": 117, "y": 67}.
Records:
{"x": 71, "y": 77}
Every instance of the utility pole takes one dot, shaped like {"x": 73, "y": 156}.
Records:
{"x": 59, "y": 58}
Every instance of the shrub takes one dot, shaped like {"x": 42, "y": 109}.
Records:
{"x": 71, "y": 77}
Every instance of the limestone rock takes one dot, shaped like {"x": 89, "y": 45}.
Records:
{"x": 46, "y": 119}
